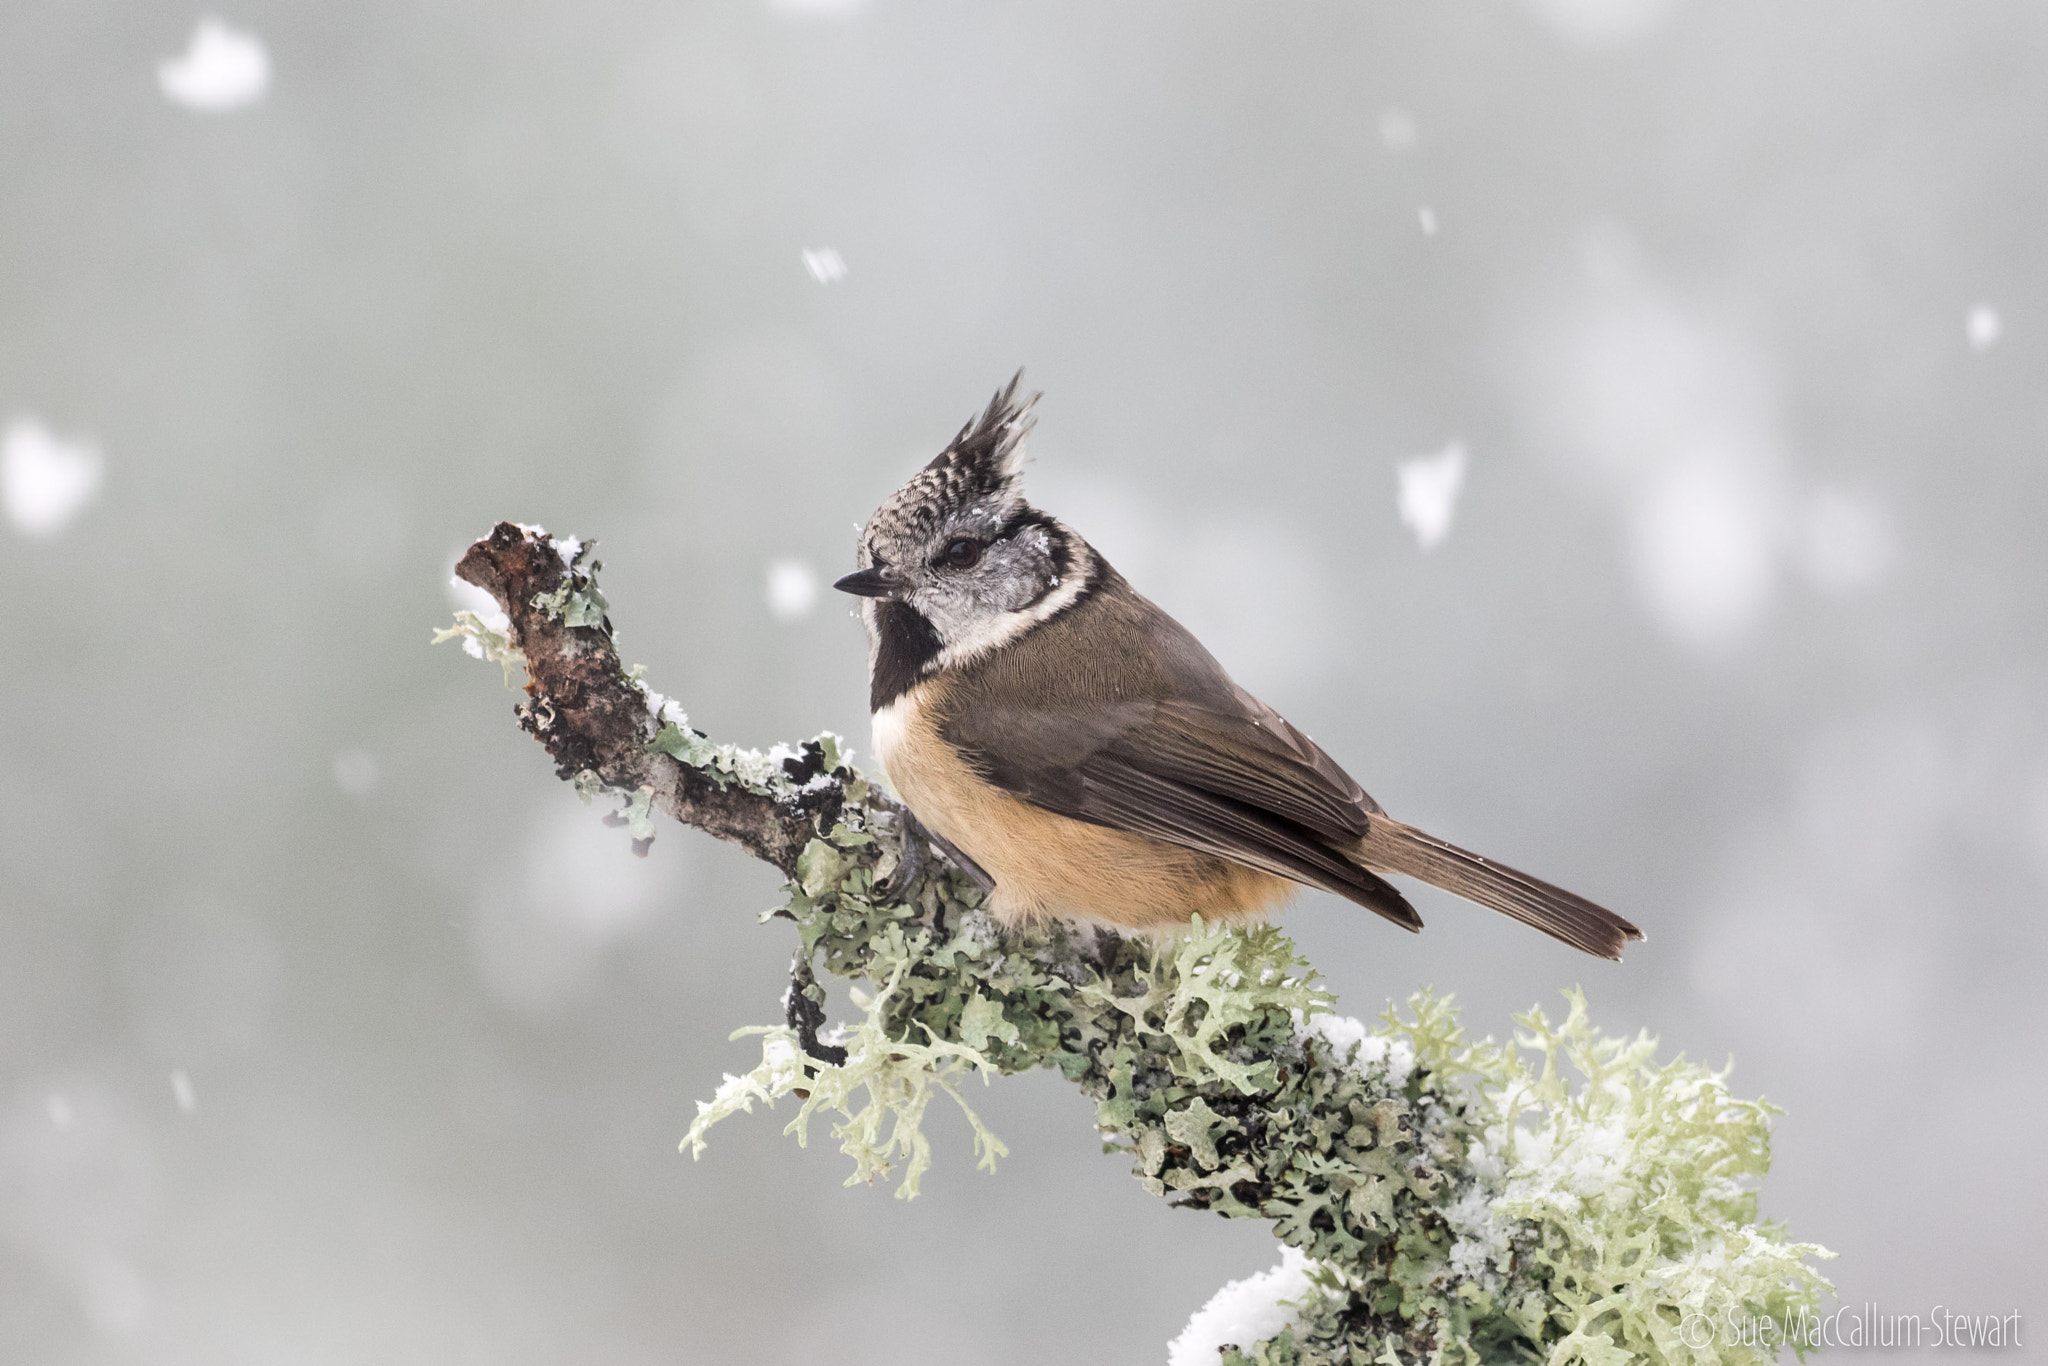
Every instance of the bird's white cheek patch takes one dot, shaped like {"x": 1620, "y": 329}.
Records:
{"x": 1001, "y": 630}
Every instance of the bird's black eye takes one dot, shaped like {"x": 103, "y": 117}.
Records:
{"x": 962, "y": 552}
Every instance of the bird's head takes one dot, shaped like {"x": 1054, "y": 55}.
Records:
{"x": 960, "y": 550}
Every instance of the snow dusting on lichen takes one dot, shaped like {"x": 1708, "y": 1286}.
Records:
{"x": 1243, "y": 1313}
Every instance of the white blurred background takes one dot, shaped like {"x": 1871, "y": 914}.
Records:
{"x": 1614, "y": 428}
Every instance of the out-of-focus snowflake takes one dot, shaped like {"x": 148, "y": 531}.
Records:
{"x": 1430, "y": 486}
{"x": 792, "y": 590}
{"x": 222, "y": 68}
{"x": 1602, "y": 23}
{"x": 1983, "y": 327}
{"x": 46, "y": 480}
{"x": 825, "y": 265}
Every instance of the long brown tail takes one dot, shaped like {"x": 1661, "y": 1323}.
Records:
{"x": 1391, "y": 847}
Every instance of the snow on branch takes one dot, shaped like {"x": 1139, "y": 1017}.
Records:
{"x": 1442, "y": 1201}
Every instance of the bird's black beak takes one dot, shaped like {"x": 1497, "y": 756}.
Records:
{"x": 875, "y": 582}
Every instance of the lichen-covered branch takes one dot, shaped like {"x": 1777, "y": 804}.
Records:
{"x": 604, "y": 728}
{"x": 1457, "y": 1202}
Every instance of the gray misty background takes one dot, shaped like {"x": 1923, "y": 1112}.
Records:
{"x": 333, "y": 1029}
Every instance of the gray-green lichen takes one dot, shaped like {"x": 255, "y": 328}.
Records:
{"x": 1459, "y": 1202}
{"x": 481, "y": 640}
{"x": 577, "y": 602}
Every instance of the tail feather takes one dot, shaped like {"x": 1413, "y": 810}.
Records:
{"x": 1391, "y": 847}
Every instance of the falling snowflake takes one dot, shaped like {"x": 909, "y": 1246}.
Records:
{"x": 825, "y": 265}
{"x": 792, "y": 590}
{"x": 1430, "y": 486}
{"x": 1983, "y": 327}
{"x": 221, "y": 68}
{"x": 46, "y": 480}
{"x": 1602, "y": 23}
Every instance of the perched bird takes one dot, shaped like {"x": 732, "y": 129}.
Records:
{"x": 1082, "y": 748}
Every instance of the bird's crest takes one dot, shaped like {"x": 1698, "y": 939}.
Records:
{"x": 987, "y": 456}
{"x": 977, "y": 478}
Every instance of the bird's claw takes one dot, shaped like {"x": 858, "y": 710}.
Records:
{"x": 910, "y": 858}
{"x": 914, "y": 835}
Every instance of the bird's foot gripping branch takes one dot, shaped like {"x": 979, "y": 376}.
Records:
{"x": 1456, "y": 1202}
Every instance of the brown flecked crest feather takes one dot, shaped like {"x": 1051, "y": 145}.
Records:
{"x": 983, "y": 458}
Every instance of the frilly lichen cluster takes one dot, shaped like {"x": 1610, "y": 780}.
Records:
{"x": 1461, "y": 1202}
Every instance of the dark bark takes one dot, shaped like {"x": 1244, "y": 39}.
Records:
{"x": 592, "y": 718}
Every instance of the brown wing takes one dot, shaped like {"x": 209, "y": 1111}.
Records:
{"x": 1120, "y": 717}
{"x": 1153, "y": 737}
